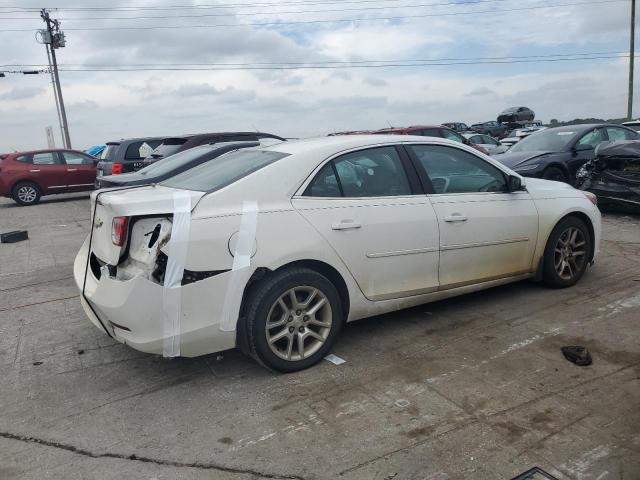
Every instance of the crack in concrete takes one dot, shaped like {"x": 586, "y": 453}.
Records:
{"x": 38, "y": 303}
{"x": 144, "y": 459}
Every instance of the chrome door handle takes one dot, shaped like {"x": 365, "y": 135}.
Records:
{"x": 34, "y": 171}
{"x": 455, "y": 217}
{"x": 72, "y": 169}
{"x": 345, "y": 225}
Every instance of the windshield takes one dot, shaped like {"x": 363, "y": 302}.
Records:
{"x": 224, "y": 170}
{"x": 545, "y": 140}
{"x": 175, "y": 161}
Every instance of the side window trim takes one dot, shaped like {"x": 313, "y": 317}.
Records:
{"x": 415, "y": 184}
{"x": 338, "y": 181}
{"x": 427, "y": 186}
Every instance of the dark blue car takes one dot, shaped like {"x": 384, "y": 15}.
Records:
{"x": 558, "y": 153}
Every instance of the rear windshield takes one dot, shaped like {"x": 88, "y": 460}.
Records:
{"x": 174, "y": 162}
{"x": 224, "y": 170}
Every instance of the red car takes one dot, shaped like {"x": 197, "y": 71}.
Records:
{"x": 26, "y": 176}
{"x": 431, "y": 131}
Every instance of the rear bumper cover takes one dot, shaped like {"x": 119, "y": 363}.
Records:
{"x": 132, "y": 310}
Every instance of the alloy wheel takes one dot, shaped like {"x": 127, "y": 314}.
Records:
{"x": 27, "y": 194}
{"x": 570, "y": 255}
{"x": 298, "y": 323}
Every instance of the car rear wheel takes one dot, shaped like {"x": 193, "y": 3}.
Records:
{"x": 554, "y": 173}
{"x": 292, "y": 319}
{"x": 567, "y": 253}
{"x": 26, "y": 193}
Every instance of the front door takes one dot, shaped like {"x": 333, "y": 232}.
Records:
{"x": 81, "y": 171}
{"x": 486, "y": 232}
{"x": 377, "y": 220}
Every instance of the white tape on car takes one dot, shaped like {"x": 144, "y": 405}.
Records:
{"x": 240, "y": 271}
{"x": 171, "y": 293}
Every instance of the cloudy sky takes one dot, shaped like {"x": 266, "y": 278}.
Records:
{"x": 108, "y": 105}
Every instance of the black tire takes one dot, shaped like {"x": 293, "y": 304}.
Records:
{"x": 26, "y": 193}
{"x": 554, "y": 254}
{"x": 262, "y": 302}
{"x": 556, "y": 174}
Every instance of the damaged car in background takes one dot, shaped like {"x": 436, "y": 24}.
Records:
{"x": 273, "y": 249}
{"x": 614, "y": 175}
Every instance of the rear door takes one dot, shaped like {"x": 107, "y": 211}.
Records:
{"x": 485, "y": 232}
{"x": 368, "y": 205}
{"x": 49, "y": 171}
{"x": 81, "y": 171}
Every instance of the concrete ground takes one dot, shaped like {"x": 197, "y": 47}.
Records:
{"x": 470, "y": 388}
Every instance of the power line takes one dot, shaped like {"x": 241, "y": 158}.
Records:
{"x": 354, "y": 9}
{"x": 348, "y": 20}
{"x": 205, "y": 7}
{"x": 333, "y": 67}
{"x": 621, "y": 54}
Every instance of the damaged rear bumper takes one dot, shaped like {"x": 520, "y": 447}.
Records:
{"x": 131, "y": 310}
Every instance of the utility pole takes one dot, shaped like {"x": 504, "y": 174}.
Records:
{"x": 631, "y": 59}
{"x": 53, "y": 39}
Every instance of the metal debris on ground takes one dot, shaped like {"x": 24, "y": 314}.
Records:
{"x": 13, "y": 237}
{"x": 577, "y": 354}
{"x": 336, "y": 360}
{"x": 536, "y": 473}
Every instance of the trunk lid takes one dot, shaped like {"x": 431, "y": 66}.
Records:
{"x": 131, "y": 202}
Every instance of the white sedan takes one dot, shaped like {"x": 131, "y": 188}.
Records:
{"x": 273, "y": 249}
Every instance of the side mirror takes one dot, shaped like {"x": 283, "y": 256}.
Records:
{"x": 514, "y": 184}
{"x": 583, "y": 148}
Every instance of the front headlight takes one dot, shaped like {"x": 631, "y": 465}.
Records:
{"x": 525, "y": 168}
{"x": 591, "y": 197}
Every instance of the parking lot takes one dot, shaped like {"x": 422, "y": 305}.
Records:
{"x": 472, "y": 387}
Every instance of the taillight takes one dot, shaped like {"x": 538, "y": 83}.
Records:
{"x": 116, "y": 169}
{"x": 119, "y": 230}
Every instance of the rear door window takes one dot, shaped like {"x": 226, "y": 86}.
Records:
{"x": 372, "y": 172}
{"x": 72, "y": 158}
{"x": 615, "y": 133}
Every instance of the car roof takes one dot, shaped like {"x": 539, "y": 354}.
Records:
{"x": 580, "y": 127}
{"x": 45, "y": 150}
{"x": 137, "y": 139}
{"x": 404, "y": 129}
{"x": 345, "y": 142}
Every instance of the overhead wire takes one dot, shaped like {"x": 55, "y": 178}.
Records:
{"x": 340, "y": 20}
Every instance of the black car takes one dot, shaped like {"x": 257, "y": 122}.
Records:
{"x": 516, "y": 114}
{"x": 558, "y": 153}
{"x": 491, "y": 127}
{"x": 181, "y": 143}
{"x": 614, "y": 175}
{"x": 173, "y": 165}
{"x": 125, "y": 155}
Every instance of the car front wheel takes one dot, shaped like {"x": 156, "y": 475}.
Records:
{"x": 292, "y": 319}
{"x": 567, "y": 253}
{"x": 26, "y": 193}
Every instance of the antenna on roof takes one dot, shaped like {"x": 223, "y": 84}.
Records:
{"x": 390, "y": 126}
{"x": 255, "y": 128}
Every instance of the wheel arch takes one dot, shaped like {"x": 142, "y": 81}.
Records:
{"x": 333, "y": 275}
{"x": 27, "y": 180}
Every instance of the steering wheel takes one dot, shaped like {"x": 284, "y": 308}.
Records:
{"x": 441, "y": 180}
{"x": 490, "y": 187}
